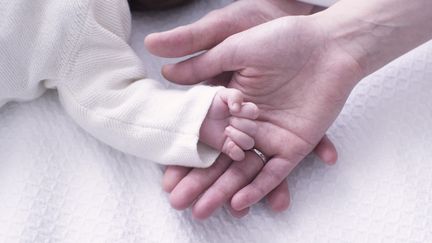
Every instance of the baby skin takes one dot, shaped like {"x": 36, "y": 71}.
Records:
{"x": 216, "y": 131}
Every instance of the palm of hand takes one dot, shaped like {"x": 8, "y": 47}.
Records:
{"x": 298, "y": 97}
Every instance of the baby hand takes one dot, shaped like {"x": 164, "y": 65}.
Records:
{"x": 229, "y": 125}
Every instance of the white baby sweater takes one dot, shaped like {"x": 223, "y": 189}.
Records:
{"x": 79, "y": 47}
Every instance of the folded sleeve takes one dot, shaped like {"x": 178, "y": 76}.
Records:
{"x": 105, "y": 90}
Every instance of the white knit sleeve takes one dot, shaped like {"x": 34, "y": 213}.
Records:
{"x": 105, "y": 89}
{"x": 36, "y": 37}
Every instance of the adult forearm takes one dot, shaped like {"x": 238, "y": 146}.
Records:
{"x": 376, "y": 32}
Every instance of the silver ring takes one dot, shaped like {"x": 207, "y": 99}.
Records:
{"x": 260, "y": 155}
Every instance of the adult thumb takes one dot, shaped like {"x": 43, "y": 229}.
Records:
{"x": 200, "y": 35}
{"x": 202, "y": 67}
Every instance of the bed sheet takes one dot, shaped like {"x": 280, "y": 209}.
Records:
{"x": 58, "y": 184}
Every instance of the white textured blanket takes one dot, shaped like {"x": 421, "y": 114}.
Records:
{"x": 58, "y": 184}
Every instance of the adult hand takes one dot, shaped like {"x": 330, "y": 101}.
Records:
{"x": 206, "y": 33}
{"x": 294, "y": 73}
{"x": 217, "y": 25}
{"x": 207, "y": 189}
{"x": 323, "y": 58}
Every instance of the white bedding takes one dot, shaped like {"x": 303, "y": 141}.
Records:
{"x": 58, "y": 184}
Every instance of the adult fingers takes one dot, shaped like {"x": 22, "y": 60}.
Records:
{"x": 236, "y": 176}
{"x": 200, "y": 35}
{"x": 272, "y": 174}
{"x": 172, "y": 176}
{"x": 326, "y": 151}
{"x": 235, "y": 213}
{"x": 204, "y": 66}
{"x": 196, "y": 182}
{"x": 279, "y": 198}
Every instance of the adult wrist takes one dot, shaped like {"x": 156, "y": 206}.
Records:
{"x": 345, "y": 67}
{"x": 345, "y": 31}
{"x": 375, "y": 33}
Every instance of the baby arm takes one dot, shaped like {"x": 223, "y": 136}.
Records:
{"x": 106, "y": 92}
{"x": 80, "y": 48}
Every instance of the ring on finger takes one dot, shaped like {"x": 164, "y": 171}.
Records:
{"x": 260, "y": 155}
